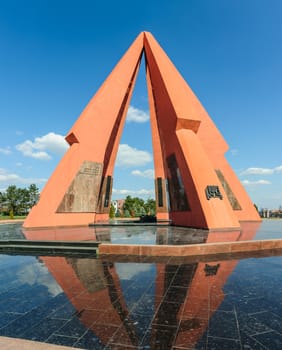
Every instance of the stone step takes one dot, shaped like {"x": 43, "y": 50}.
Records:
{"x": 50, "y": 247}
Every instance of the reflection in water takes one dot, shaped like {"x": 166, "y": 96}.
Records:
{"x": 11, "y": 231}
{"x": 37, "y": 274}
{"x": 173, "y": 304}
{"x": 152, "y": 303}
{"x": 123, "y": 234}
{"x": 160, "y": 235}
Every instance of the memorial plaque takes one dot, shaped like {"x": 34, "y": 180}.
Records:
{"x": 227, "y": 189}
{"x": 82, "y": 194}
{"x": 108, "y": 192}
{"x": 211, "y": 270}
{"x": 177, "y": 195}
{"x": 160, "y": 192}
{"x": 212, "y": 191}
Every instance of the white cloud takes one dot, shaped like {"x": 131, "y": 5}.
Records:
{"x": 126, "y": 272}
{"x": 128, "y": 156}
{"x": 262, "y": 171}
{"x": 149, "y": 173}
{"x": 137, "y": 115}
{"x": 255, "y": 183}
{"x": 8, "y": 177}
{"x": 5, "y": 150}
{"x": 27, "y": 149}
{"x": 39, "y": 148}
{"x": 11, "y": 178}
{"x": 141, "y": 192}
{"x": 34, "y": 274}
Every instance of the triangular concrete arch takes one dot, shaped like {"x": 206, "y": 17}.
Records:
{"x": 188, "y": 149}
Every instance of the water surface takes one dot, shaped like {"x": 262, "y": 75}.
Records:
{"x": 163, "y": 303}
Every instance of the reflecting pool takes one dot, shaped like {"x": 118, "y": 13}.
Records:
{"x": 122, "y": 234}
{"x": 160, "y": 303}
{"x": 125, "y": 302}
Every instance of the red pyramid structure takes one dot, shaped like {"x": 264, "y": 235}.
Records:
{"x": 195, "y": 186}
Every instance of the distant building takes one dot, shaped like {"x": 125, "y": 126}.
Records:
{"x": 270, "y": 213}
{"x": 276, "y": 213}
{"x": 118, "y": 205}
{"x": 265, "y": 213}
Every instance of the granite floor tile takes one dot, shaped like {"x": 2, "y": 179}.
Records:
{"x": 223, "y": 344}
{"x": 167, "y": 315}
{"x": 104, "y": 333}
{"x": 248, "y": 342}
{"x": 192, "y": 334}
{"x": 89, "y": 301}
{"x": 157, "y": 289}
{"x": 8, "y": 317}
{"x": 145, "y": 306}
{"x": 126, "y": 335}
{"x": 175, "y": 294}
{"x": 251, "y": 325}
{"x": 66, "y": 312}
{"x": 222, "y": 303}
{"x": 121, "y": 347}
{"x": 270, "y": 320}
{"x": 89, "y": 341}
{"x": 73, "y": 328}
{"x": 140, "y": 324}
{"x": 223, "y": 325}
{"x": 43, "y": 330}
{"x": 17, "y": 327}
{"x": 159, "y": 338}
{"x": 247, "y": 305}
{"x": 61, "y": 340}
{"x": 271, "y": 340}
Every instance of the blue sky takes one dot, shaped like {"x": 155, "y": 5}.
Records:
{"x": 54, "y": 55}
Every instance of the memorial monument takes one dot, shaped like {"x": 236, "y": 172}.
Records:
{"x": 194, "y": 184}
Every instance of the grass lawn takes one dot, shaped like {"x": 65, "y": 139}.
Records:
{"x": 16, "y": 217}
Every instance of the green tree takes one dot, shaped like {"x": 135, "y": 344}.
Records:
{"x": 18, "y": 201}
{"x": 23, "y": 201}
{"x": 112, "y": 211}
{"x": 126, "y": 213}
{"x": 12, "y": 199}
{"x": 33, "y": 195}
{"x": 128, "y": 206}
{"x": 2, "y": 202}
{"x": 150, "y": 206}
{"x": 138, "y": 207}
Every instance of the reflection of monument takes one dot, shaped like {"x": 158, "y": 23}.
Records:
{"x": 184, "y": 298}
{"x": 190, "y": 168}
{"x": 170, "y": 304}
{"x": 94, "y": 290}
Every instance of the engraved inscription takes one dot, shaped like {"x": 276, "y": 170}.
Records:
{"x": 108, "y": 191}
{"x": 91, "y": 168}
{"x": 82, "y": 194}
{"x": 177, "y": 195}
{"x": 211, "y": 270}
{"x": 160, "y": 192}
{"x": 213, "y": 192}
{"x": 230, "y": 195}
